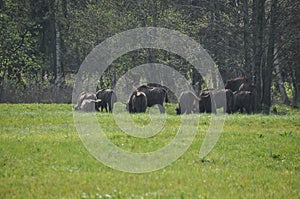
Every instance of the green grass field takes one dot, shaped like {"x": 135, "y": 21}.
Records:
{"x": 42, "y": 156}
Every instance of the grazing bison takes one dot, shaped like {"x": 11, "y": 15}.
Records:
{"x": 171, "y": 97}
{"x": 234, "y": 84}
{"x": 84, "y": 96}
{"x": 244, "y": 100}
{"x": 138, "y": 102}
{"x": 211, "y": 99}
{"x": 87, "y": 102}
{"x": 88, "y": 105}
{"x": 155, "y": 95}
{"x": 188, "y": 103}
{"x": 108, "y": 97}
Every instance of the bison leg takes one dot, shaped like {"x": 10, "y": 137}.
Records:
{"x": 188, "y": 110}
{"x": 178, "y": 109}
{"x": 161, "y": 108}
{"x": 110, "y": 107}
{"x": 248, "y": 109}
{"x": 96, "y": 107}
{"x": 242, "y": 110}
{"x": 104, "y": 106}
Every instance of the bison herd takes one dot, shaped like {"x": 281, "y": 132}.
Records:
{"x": 238, "y": 96}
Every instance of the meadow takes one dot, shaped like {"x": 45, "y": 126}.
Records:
{"x": 42, "y": 156}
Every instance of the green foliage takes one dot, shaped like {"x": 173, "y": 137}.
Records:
{"x": 42, "y": 156}
{"x": 28, "y": 35}
{"x": 283, "y": 109}
{"x": 289, "y": 89}
{"x": 20, "y": 59}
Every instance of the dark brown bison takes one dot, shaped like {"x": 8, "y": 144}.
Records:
{"x": 205, "y": 105}
{"x": 211, "y": 99}
{"x": 155, "y": 95}
{"x": 252, "y": 88}
{"x": 244, "y": 101}
{"x": 205, "y": 101}
{"x": 108, "y": 97}
{"x": 188, "y": 103}
{"x": 138, "y": 102}
{"x": 171, "y": 97}
{"x": 234, "y": 84}
{"x": 100, "y": 104}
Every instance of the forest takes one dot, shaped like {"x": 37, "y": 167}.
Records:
{"x": 43, "y": 43}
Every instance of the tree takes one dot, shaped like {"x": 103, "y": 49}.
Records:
{"x": 42, "y": 41}
{"x": 288, "y": 54}
{"x": 258, "y": 32}
{"x": 268, "y": 68}
{"x": 19, "y": 55}
{"x": 247, "y": 40}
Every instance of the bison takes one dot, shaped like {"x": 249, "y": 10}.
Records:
{"x": 108, "y": 97}
{"x": 211, "y": 99}
{"x": 188, "y": 103}
{"x": 88, "y": 105}
{"x": 171, "y": 97}
{"x": 87, "y": 102}
{"x": 234, "y": 84}
{"x": 84, "y": 96}
{"x": 205, "y": 105}
{"x": 155, "y": 95}
{"x": 138, "y": 102}
{"x": 252, "y": 88}
{"x": 244, "y": 100}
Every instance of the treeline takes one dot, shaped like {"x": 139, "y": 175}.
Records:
{"x": 43, "y": 43}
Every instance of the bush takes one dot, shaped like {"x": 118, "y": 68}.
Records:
{"x": 34, "y": 92}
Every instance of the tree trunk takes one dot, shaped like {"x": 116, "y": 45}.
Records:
{"x": 279, "y": 81}
{"x": 267, "y": 70}
{"x": 59, "y": 80}
{"x": 2, "y": 4}
{"x": 296, "y": 85}
{"x": 213, "y": 40}
{"x": 259, "y": 14}
{"x": 248, "y": 67}
{"x": 2, "y": 75}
